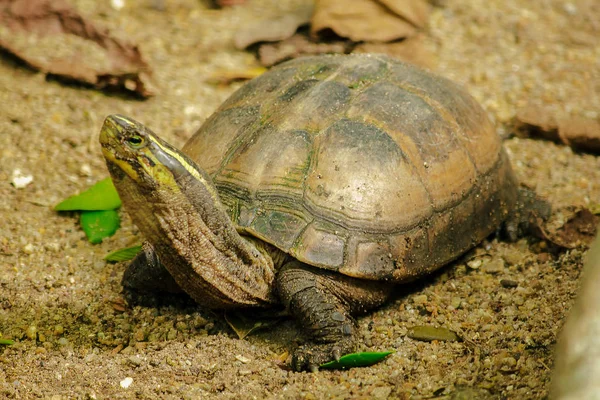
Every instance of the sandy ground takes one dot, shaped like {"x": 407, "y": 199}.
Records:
{"x": 62, "y": 305}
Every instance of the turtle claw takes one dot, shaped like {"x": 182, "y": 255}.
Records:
{"x": 310, "y": 356}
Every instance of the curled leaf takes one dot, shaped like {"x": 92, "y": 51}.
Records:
{"x": 101, "y": 196}
{"x": 98, "y": 225}
{"x": 273, "y": 29}
{"x": 356, "y": 360}
{"x": 225, "y": 77}
{"x": 125, "y": 254}
{"x": 370, "y": 20}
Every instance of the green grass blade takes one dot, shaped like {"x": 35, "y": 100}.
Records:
{"x": 126, "y": 254}
{"x": 356, "y": 360}
{"x": 6, "y": 342}
{"x": 98, "y": 225}
{"x": 101, "y": 196}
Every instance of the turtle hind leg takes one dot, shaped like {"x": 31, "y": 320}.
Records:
{"x": 523, "y": 220}
{"x": 323, "y": 302}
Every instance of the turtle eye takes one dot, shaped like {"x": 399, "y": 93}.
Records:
{"x": 135, "y": 141}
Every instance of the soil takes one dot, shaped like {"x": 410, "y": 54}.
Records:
{"x": 76, "y": 337}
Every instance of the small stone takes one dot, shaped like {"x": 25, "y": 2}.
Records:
{"x": 125, "y": 383}
{"x": 242, "y": 359}
{"x": 420, "y": 299}
{"x": 570, "y": 8}
{"x": 62, "y": 341}
{"x": 135, "y": 360}
{"x": 475, "y": 263}
{"x": 181, "y": 326}
{"x": 85, "y": 170}
{"x": 53, "y": 247}
{"x": 494, "y": 266}
{"x": 456, "y": 302}
{"x": 59, "y": 330}
{"x": 28, "y": 248}
{"x": 244, "y": 372}
{"x": 139, "y": 335}
{"x": 19, "y": 180}
{"x": 381, "y": 392}
{"x": 172, "y": 334}
{"x": 31, "y": 332}
{"x": 509, "y": 283}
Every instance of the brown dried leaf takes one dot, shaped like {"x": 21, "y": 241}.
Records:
{"x": 273, "y": 29}
{"x": 296, "y": 46}
{"x": 226, "y": 77}
{"x": 579, "y": 133}
{"x": 579, "y": 230}
{"x": 49, "y": 36}
{"x": 409, "y": 50}
{"x": 370, "y": 20}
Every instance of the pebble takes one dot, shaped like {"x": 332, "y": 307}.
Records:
{"x": 135, "y": 360}
{"x": 509, "y": 283}
{"x": 475, "y": 263}
{"x": 31, "y": 332}
{"x": 28, "y": 248}
{"x": 125, "y": 383}
{"x": 381, "y": 392}
{"x": 85, "y": 170}
{"x": 19, "y": 180}
{"x": 242, "y": 359}
{"x": 53, "y": 247}
{"x": 420, "y": 299}
{"x": 494, "y": 266}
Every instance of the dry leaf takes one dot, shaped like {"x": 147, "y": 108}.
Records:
{"x": 370, "y": 20}
{"x": 579, "y": 230}
{"x": 225, "y": 77}
{"x": 273, "y": 29}
{"x": 299, "y": 45}
{"x": 579, "y": 133}
{"x": 49, "y": 36}
{"x": 409, "y": 50}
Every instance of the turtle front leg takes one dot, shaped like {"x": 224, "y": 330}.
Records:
{"x": 323, "y": 302}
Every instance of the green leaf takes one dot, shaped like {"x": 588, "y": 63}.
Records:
{"x": 98, "y": 225}
{"x": 6, "y": 342}
{"x": 126, "y": 254}
{"x": 101, "y": 196}
{"x": 356, "y": 360}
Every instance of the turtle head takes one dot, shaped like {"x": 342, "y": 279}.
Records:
{"x": 152, "y": 176}
{"x": 133, "y": 150}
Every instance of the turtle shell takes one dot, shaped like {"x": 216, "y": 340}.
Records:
{"x": 359, "y": 164}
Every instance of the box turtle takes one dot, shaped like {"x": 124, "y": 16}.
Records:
{"x": 319, "y": 185}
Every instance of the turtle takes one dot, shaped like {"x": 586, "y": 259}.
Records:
{"x": 320, "y": 185}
